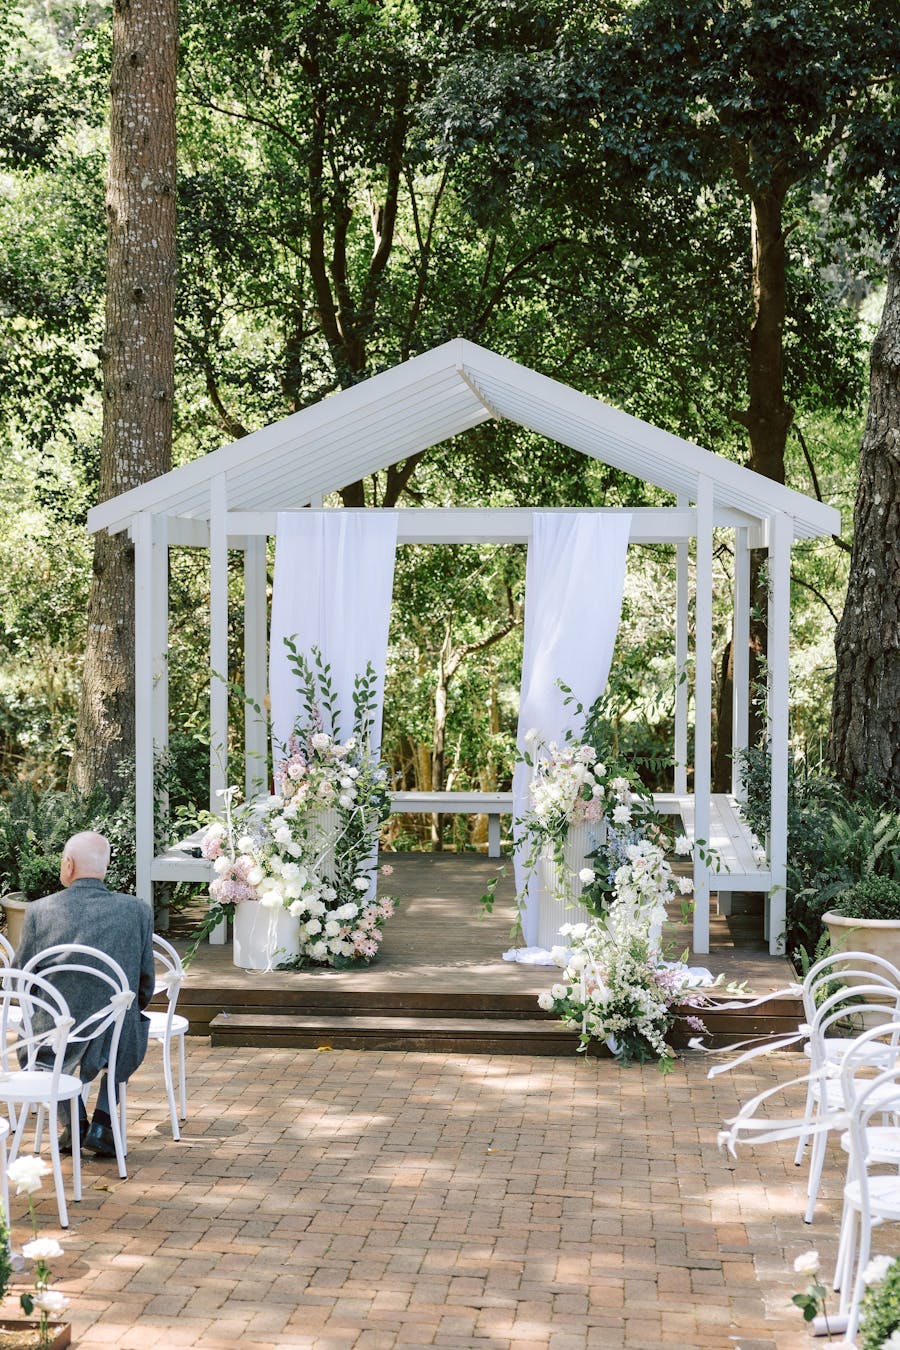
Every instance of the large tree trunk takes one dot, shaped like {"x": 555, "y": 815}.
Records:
{"x": 768, "y": 418}
{"x": 138, "y": 365}
{"x": 865, "y": 716}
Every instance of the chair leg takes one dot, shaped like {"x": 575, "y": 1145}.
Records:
{"x": 170, "y": 1088}
{"x": 123, "y": 1115}
{"x": 182, "y": 1077}
{"x": 804, "y": 1138}
{"x": 57, "y": 1168}
{"x": 116, "y": 1122}
{"x": 840, "y": 1270}
{"x": 816, "y": 1163}
{"x": 4, "y": 1181}
{"x": 865, "y": 1242}
{"x": 75, "y": 1128}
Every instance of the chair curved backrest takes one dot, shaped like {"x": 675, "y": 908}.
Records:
{"x": 7, "y": 951}
{"x": 864, "y": 966}
{"x": 33, "y": 1015}
{"x": 169, "y": 975}
{"x": 68, "y": 959}
{"x": 851, "y": 1001}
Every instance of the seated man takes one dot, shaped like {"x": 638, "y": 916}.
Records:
{"x": 87, "y": 913}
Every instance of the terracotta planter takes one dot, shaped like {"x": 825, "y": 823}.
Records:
{"x": 15, "y": 904}
{"x": 263, "y": 937}
{"x": 880, "y": 937}
{"x": 559, "y": 889}
{"x": 23, "y": 1333}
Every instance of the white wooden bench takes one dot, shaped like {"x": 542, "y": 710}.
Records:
{"x": 490, "y": 804}
{"x": 744, "y": 866}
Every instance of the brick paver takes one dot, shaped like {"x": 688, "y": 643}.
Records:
{"x": 346, "y": 1200}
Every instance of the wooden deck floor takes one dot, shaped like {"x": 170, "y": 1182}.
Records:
{"x": 440, "y": 941}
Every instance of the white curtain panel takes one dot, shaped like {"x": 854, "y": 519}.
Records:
{"x": 573, "y": 600}
{"x": 334, "y": 574}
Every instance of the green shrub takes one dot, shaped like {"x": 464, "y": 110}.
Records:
{"x": 875, "y": 897}
{"x": 880, "y": 1310}
{"x": 834, "y": 840}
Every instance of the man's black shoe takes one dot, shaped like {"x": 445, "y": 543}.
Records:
{"x": 100, "y": 1140}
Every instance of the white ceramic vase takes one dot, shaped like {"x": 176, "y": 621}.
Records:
{"x": 263, "y": 937}
{"x": 559, "y": 889}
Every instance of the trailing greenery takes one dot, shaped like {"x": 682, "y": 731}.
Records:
{"x": 835, "y": 841}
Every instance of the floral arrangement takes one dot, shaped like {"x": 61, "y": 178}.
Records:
{"x": 880, "y": 1319}
{"x": 309, "y": 847}
{"x": 25, "y": 1174}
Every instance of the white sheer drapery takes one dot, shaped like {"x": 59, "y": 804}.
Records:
{"x": 334, "y": 574}
{"x": 573, "y": 599}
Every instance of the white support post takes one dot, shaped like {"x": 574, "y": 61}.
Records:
{"x": 682, "y": 596}
{"x": 218, "y": 653}
{"x": 703, "y": 707}
{"x": 142, "y": 537}
{"x": 159, "y": 617}
{"x": 740, "y": 638}
{"x": 780, "y": 540}
{"x": 256, "y": 740}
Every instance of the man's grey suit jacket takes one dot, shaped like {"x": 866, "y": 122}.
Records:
{"x": 120, "y": 925}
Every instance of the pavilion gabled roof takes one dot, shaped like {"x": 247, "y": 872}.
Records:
{"x": 427, "y": 400}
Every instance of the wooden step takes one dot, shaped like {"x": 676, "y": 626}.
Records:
{"x": 466, "y": 1035}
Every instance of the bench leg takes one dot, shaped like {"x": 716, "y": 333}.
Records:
{"x": 725, "y": 903}
{"x": 493, "y": 836}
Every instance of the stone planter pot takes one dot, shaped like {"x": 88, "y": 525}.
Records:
{"x": 559, "y": 889}
{"x": 15, "y": 905}
{"x": 263, "y": 937}
{"x": 23, "y": 1333}
{"x": 880, "y": 937}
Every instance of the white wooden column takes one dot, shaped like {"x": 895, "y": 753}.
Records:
{"x": 740, "y": 639}
{"x": 256, "y": 740}
{"x": 159, "y": 618}
{"x": 144, "y": 608}
{"x": 781, "y": 533}
{"x": 702, "y": 707}
{"x": 218, "y": 642}
{"x": 682, "y": 598}
{"x": 218, "y": 654}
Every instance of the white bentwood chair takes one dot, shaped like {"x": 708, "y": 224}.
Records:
{"x": 869, "y": 1200}
{"x": 168, "y": 1026}
{"x": 67, "y": 960}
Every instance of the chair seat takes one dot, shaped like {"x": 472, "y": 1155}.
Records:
{"x": 882, "y": 1141}
{"x": 157, "y": 1028}
{"x": 836, "y": 1048}
{"x": 884, "y": 1196}
{"x": 35, "y": 1085}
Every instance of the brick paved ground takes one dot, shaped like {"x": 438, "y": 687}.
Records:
{"x": 341, "y": 1201}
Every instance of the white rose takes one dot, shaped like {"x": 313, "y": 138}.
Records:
{"x": 313, "y": 927}
{"x": 874, "y": 1272}
{"x": 335, "y": 946}
{"x": 808, "y": 1264}
{"x": 316, "y": 907}
{"x": 685, "y": 885}
{"x": 586, "y": 876}
{"x": 283, "y": 836}
{"x": 26, "y": 1173}
{"x": 297, "y": 908}
{"x": 245, "y": 844}
{"x": 347, "y": 911}
{"x": 346, "y": 781}
{"x": 545, "y": 1001}
{"x": 319, "y": 951}
{"x": 353, "y": 773}
{"x": 42, "y": 1249}
{"x": 344, "y": 800}
{"x": 559, "y": 956}
{"x": 222, "y": 863}
{"x": 577, "y": 962}
{"x": 293, "y": 890}
{"x": 361, "y": 883}
{"x": 558, "y": 991}
{"x": 347, "y": 949}
{"x": 320, "y": 741}
{"x": 271, "y": 899}
{"x": 332, "y": 928}
{"x": 255, "y": 875}
{"x": 50, "y": 1301}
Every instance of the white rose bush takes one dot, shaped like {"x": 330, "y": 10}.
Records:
{"x": 309, "y": 848}
{"x": 880, "y": 1317}
{"x": 26, "y": 1174}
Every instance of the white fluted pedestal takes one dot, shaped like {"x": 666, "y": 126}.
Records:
{"x": 559, "y": 889}
{"x": 263, "y": 937}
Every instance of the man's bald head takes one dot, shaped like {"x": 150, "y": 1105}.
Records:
{"x": 85, "y": 855}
